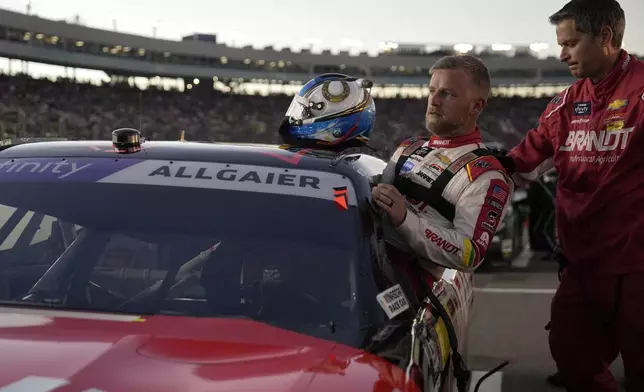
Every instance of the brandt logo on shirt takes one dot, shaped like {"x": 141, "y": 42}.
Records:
{"x": 597, "y": 141}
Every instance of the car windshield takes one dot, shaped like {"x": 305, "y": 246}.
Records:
{"x": 181, "y": 238}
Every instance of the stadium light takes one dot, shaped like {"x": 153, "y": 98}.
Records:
{"x": 387, "y": 46}
{"x": 195, "y": 81}
{"x": 463, "y": 48}
{"x": 351, "y": 43}
{"x": 538, "y": 47}
{"x": 312, "y": 41}
{"x": 501, "y": 47}
{"x": 235, "y": 39}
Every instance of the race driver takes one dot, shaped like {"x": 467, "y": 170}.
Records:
{"x": 453, "y": 226}
{"x": 592, "y": 134}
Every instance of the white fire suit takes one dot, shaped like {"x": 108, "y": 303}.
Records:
{"x": 480, "y": 193}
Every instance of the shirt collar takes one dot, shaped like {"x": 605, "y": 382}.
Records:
{"x": 610, "y": 81}
{"x": 451, "y": 142}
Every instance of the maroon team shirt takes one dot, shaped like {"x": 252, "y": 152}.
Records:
{"x": 592, "y": 134}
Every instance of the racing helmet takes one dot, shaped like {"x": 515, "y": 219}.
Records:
{"x": 330, "y": 110}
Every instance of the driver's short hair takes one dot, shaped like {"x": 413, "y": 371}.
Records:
{"x": 474, "y": 67}
{"x": 591, "y": 15}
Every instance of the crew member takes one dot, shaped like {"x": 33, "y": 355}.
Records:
{"x": 592, "y": 134}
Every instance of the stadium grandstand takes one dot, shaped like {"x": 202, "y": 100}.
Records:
{"x": 216, "y": 92}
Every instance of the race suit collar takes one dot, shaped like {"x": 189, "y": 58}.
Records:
{"x": 610, "y": 82}
{"x": 451, "y": 142}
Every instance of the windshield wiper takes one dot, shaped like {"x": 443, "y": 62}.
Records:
{"x": 42, "y": 295}
{"x": 31, "y": 304}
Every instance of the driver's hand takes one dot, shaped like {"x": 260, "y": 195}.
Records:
{"x": 391, "y": 201}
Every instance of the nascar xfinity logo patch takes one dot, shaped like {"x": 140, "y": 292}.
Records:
{"x": 582, "y": 109}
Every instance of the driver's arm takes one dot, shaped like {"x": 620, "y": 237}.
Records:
{"x": 479, "y": 210}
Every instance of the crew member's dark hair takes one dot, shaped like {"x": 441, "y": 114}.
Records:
{"x": 591, "y": 15}
{"x": 472, "y": 66}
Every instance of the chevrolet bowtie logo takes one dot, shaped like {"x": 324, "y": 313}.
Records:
{"x": 617, "y": 104}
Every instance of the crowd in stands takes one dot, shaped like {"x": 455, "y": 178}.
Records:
{"x": 40, "y": 107}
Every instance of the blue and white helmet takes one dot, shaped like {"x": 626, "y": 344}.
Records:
{"x": 330, "y": 110}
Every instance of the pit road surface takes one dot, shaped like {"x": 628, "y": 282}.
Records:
{"x": 511, "y": 308}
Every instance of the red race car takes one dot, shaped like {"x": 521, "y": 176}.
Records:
{"x": 177, "y": 266}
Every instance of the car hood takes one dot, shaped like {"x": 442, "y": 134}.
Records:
{"x": 42, "y": 350}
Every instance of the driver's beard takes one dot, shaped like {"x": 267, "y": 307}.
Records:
{"x": 442, "y": 128}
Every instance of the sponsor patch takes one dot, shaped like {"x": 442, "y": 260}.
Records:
{"x": 556, "y": 99}
{"x": 580, "y": 121}
{"x": 393, "y": 301}
{"x": 245, "y": 178}
{"x": 617, "y": 104}
{"x": 491, "y": 221}
{"x": 433, "y": 168}
{"x": 407, "y": 167}
{"x": 500, "y": 192}
{"x": 615, "y": 117}
{"x": 461, "y": 162}
{"x": 484, "y": 239}
{"x": 490, "y": 215}
{"x": 482, "y": 165}
{"x": 614, "y": 126}
{"x": 414, "y": 145}
{"x": 494, "y": 203}
{"x": 422, "y": 152}
{"x": 582, "y": 109}
{"x": 444, "y": 159}
{"x": 408, "y": 142}
{"x": 441, "y": 243}
{"x": 439, "y": 142}
{"x": 425, "y": 176}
